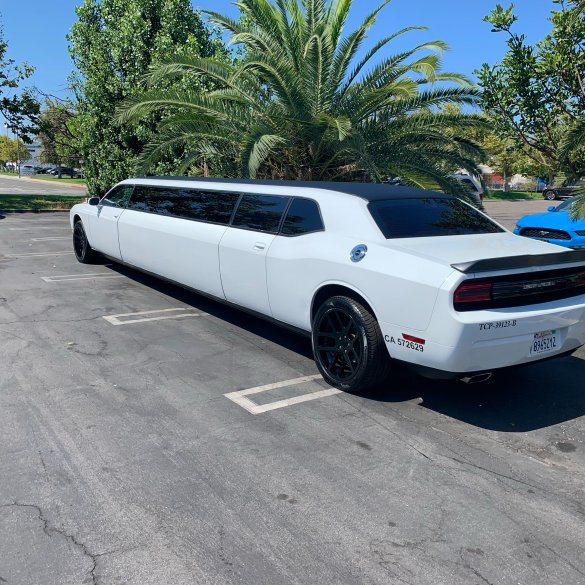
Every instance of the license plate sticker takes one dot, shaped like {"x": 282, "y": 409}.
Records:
{"x": 545, "y": 342}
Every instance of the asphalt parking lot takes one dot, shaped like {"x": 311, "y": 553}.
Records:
{"x": 151, "y": 436}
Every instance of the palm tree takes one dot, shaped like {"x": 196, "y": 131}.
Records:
{"x": 307, "y": 102}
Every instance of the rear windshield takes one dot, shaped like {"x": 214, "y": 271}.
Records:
{"x": 429, "y": 216}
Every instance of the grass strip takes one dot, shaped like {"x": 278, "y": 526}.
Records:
{"x": 499, "y": 195}
{"x": 39, "y": 202}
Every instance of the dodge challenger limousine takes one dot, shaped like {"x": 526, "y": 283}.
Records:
{"x": 375, "y": 274}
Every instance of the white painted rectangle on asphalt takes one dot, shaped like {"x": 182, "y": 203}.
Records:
{"x": 38, "y": 254}
{"x": 156, "y": 315}
{"x": 87, "y": 276}
{"x": 241, "y": 397}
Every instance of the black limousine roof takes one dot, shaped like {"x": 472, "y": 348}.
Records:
{"x": 367, "y": 191}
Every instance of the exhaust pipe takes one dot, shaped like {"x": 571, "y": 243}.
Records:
{"x": 477, "y": 379}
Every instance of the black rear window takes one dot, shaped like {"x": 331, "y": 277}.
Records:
{"x": 303, "y": 217}
{"x": 428, "y": 217}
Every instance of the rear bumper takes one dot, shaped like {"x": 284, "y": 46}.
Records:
{"x": 435, "y": 374}
{"x": 484, "y": 341}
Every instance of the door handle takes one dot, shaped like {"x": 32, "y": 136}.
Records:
{"x": 259, "y": 246}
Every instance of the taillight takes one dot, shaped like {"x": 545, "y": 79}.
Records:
{"x": 473, "y": 292}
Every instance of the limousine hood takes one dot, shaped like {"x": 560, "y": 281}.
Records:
{"x": 451, "y": 250}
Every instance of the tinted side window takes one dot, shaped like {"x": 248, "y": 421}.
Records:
{"x": 149, "y": 199}
{"x": 216, "y": 207}
{"x": 260, "y": 212}
{"x": 186, "y": 203}
{"x": 118, "y": 196}
{"x": 303, "y": 217}
{"x": 426, "y": 217}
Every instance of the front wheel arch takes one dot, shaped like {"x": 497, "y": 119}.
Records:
{"x": 81, "y": 246}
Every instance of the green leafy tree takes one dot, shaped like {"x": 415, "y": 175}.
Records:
{"x": 535, "y": 94}
{"x": 12, "y": 150}
{"x": 306, "y": 101}
{"x": 19, "y": 111}
{"x": 112, "y": 45}
{"x": 58, "y": 133}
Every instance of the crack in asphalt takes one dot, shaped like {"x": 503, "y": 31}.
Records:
{"x": 51, "y": 530}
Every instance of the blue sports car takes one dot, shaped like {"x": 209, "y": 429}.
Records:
{"x": 555, "y": 226}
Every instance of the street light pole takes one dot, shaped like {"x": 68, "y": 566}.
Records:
{"x": 6, "y": 127}
{"x": 17, "y": 150}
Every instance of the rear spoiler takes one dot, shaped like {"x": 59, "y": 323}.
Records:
{"x": 515, "y": 262}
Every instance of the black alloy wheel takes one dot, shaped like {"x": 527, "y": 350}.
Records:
{"x": 348, "y": 345}
{"x": 81, "y": 247}
{"x": 550, "y": 195}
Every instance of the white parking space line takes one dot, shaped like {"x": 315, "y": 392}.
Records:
{"x": 87, "y": 276}
{"x": 38, "y": 254}
{"x": 159, "y": 315}
{"x": 240, "y": 397}
{"x": 50, "y": 239}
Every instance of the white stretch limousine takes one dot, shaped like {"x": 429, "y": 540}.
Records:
{"x": 372, "y": 272}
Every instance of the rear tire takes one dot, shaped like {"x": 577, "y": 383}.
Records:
{"x": 81, "y": 247}
{"x": 550, "y": 195}
{"x": 348, "y": 345}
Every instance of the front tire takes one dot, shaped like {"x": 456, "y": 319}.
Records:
{"x": 81, "y": 247}
{"x": 348, "y": 345}
{"x": 550, "y": 195}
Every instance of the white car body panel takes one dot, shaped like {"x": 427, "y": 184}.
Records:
{"x": 242, "y": 258}
{"x": 408, "y": 283}
{"x": 177, "y": 249}
{"x": 103, "y": 230}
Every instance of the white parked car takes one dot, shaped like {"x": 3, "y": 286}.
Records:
{"x": 374, "y": 273}
{"x": 473, "y": 185}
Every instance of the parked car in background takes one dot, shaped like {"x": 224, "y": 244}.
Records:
{"x": 555, "y": 226}
{"x": 473, "y": 185}
{"x": 375, "y": 274}
{"x": 66, "y": 172}
{"x": 567, "y": 189}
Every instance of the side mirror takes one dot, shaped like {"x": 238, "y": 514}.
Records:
{"x": 94, "y": 201}
{"x": 551, "y": 208}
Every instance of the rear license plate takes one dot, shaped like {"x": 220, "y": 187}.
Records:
{"x": 544, "y": 342}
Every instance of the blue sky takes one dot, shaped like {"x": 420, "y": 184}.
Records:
{"x": 36, "y": 31}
